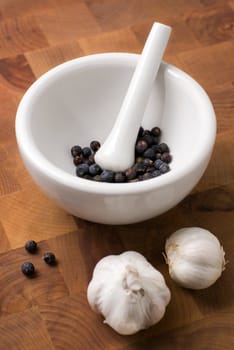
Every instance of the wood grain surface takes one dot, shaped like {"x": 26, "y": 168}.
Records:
{"x": 51, "y": 311}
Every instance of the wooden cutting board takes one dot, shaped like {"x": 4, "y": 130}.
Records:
{"x": 51, "y": 310}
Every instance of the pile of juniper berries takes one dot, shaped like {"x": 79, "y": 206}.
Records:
{"x": 152, "y": 159}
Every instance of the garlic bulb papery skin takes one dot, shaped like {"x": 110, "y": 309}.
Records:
{"x": 195, "y": 257}
{"x": 128, "y": 291}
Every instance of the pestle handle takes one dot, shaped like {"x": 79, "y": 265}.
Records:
{"x": 118, "y": 151}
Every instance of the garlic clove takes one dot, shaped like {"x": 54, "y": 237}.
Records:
{"x": 128, "y": 292}
{"x": 195, "y": 257}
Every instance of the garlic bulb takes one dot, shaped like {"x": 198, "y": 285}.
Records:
{"x": 195, "y": 257}
{"x": 128, "y": 291}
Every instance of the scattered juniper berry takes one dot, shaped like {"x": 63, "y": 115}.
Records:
{"x": 28, "y": 269}
{"x": 31, "y": 246}
{"x": 49, "y": 258}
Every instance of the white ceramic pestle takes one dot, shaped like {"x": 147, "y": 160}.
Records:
{"x": 118, "y": 151}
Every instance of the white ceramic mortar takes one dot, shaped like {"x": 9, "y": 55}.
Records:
{"x": 78, "y": 101}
